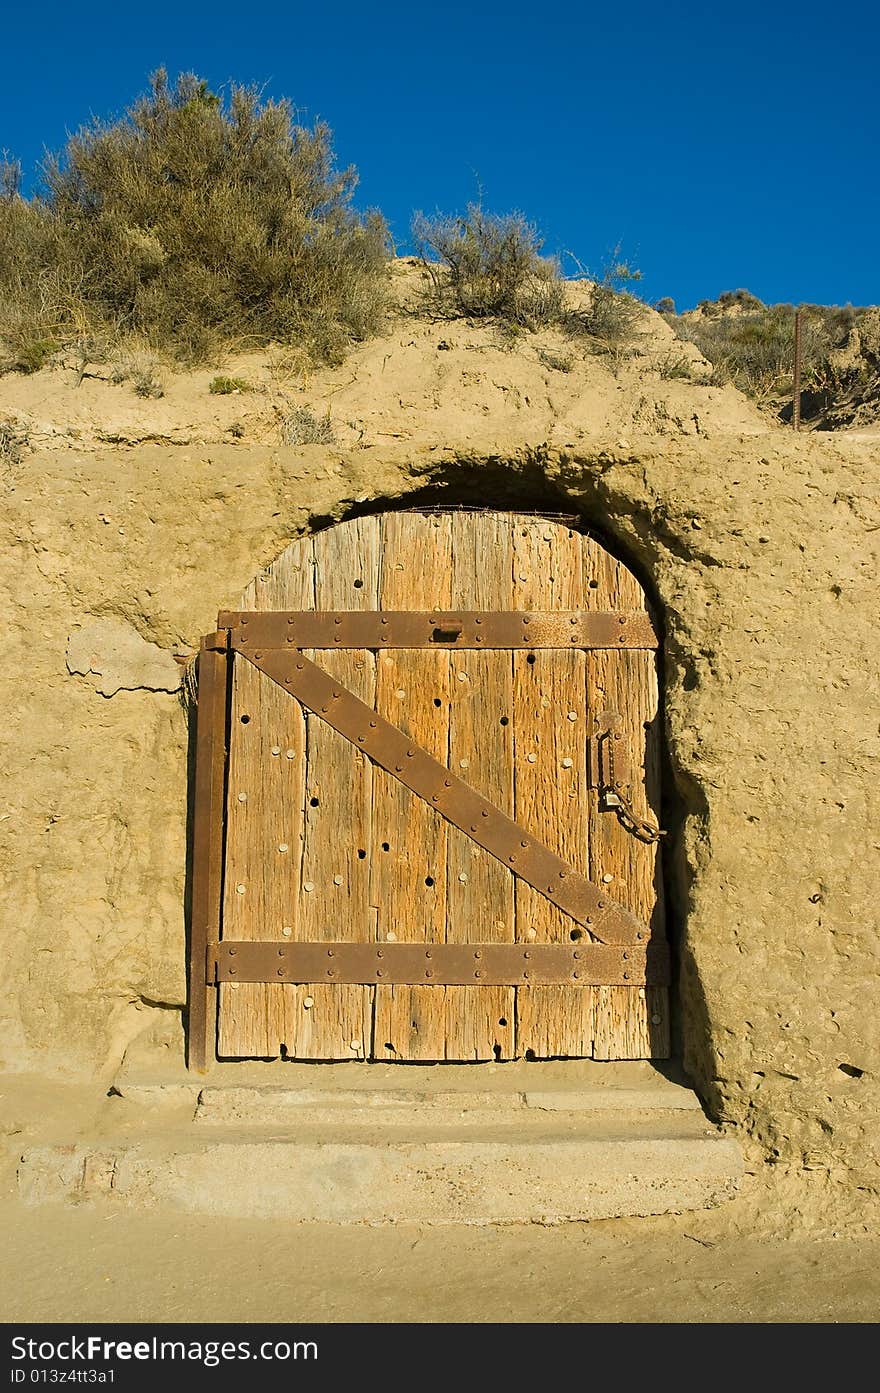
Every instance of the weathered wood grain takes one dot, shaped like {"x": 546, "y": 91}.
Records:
{"x": 630, "y": 1023}
{"x": 480, "y": 896}
{"x": 408, "y": 878}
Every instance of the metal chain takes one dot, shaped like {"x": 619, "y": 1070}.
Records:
{"x": 627, "y": 816}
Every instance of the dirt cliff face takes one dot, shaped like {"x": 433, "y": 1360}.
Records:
{"x": 759, "y": 547}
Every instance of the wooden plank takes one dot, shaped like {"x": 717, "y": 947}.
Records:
{"x": 480, "y": 893}
{"x": 207, "y": 854}
{"x": 630, "y": 1023}
{"x": 335, "y": 1022}
{"x": 265, "y": 822}
{"x": 408, "y": 881}
{"x": 550, "y": 773}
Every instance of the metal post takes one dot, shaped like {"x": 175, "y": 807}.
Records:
{"x": 796, "y": 383}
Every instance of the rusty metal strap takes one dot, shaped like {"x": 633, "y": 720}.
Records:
{"x": 425, "y": 776}
{"x": 440, "y": 964}
{"x": 439, "y": 629}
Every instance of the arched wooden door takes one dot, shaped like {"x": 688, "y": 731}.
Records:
{"x": 441, "y": 778}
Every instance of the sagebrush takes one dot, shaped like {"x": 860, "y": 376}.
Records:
{"x": 195, "y": 222}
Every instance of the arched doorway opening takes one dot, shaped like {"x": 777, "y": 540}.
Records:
{"x": 427, "y": 797}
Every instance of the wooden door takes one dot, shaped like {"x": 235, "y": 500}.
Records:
{"x": 325, "y": 846}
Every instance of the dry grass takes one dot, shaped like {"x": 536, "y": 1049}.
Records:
{"x": 489, "y": 266}
{"x": 196, "y": 224}
{"x": 300, "y": 426}
{"x": 754, "y": 347}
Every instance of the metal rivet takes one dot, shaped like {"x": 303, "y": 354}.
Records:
{"x": 290, "y": 754}
{"x": 573, "y": 620}
{"x": 383, "y": 620}
{"x": 572, "y": 715}
{"x": 575, "y": 975}
{"x": 287, "y": 931}
{"x": 361, "y": 739}
{"x": 484, "y": 813}
{"x": 447, "y": 783}
{"x": 330, "y": 972}
{"x": 398, "y": 767}
{"x": 429, "y": 973}
{"x": 232, "y": 952}
{"x": 282, "y": 846}
{"x": 621, "y": 619}
{"x": 428, "y": 953}
{"x": 463, "y": 877}
{"x": 330, "y": 953}
{"x": 478, "y": 621}
{"x": 478, "y": 954}
{"x": 300, "y": 666}
{"x": 551, "y": 889}
{"x": 410, "y": 753}
{"x": 290, "y": 621}
{"x": 626, "y": 976}
{"x": 526, "y": 976}
{"x": 379, "y": 972}
{"x": 391, "y": 937}
{"x": 655, "y": 1020}
{"x": 639, "y": 934}
{"x": 379, "y": 953}
{"x": 337, "y": 879}
{"x": 239, "y": 889}
{"x": 357, "y": 1044}
{"x": 527, "y": 954}
{"x": 478, "y": 974}
{"x": 242, "y": 798}
{"x": 308, "y": 885}
{"x": 523, "y": 843}
{"x": 532, "y": 759}
{"x": 258, "y": 655}
{"x": 231, "y": 971}
{"x": 325, "y": 709}
{"x": 625, "y": 956}
{"x": 567, "y": 763}
{"x": 337, "y": 621}
{"x": 308, "y": 1001}
{"x": 281, "y": 971}
{"x": 576, "y": 954}
{"x": 601, "y": 904}
{"x": 607, "y": 878}
{"x": 511, "y": 859}
{"x": 276, "y": 749}
{"x": 464, "y": 764}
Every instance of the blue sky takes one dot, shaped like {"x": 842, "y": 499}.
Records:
{"x": 720, "y": 146}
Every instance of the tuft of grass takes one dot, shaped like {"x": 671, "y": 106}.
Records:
{"x": 14, "y": 440}
{"x": 33, "y": 355}
{"x": 302, "y": 427}
{"x": 489, "y": 266}
{"x": 557, "y": 362}
{"x": 612, "y": 312}
{"x": 675, "y": 365}
{"x": 192, "y": 222}
{"x": 225, "y": 386}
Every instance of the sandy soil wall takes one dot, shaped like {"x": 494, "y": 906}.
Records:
{"x": 762, "y": 553}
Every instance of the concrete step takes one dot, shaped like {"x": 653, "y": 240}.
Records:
{"x": 518, "y": 1142}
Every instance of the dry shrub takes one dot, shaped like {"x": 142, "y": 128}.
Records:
{"x": 301, "y": 426}
{"x": 489, "y": 266}
{"x": 195, "y": 223}
{"x": 754, "y": 347}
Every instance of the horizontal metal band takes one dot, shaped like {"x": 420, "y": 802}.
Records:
{"x": 439, "y": 629}
{"x": 487, "y": 825}
{"x": 441, "y": 964}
